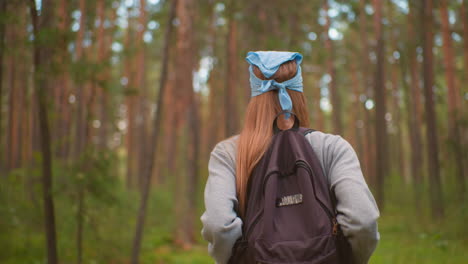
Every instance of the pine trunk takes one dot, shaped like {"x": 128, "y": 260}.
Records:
{"x": 369, "y": 166}
{"x": 453, "y": 102}
{"x": 331, "y": 69}
{"x": 3, "y": 6}
{"x": 432, "y": 141}
{"x": 154, "y": 140}
{"x": 42, "y": 63}
{"x": 232, "y": 119}
{"x": 380, "y": 108}
{"x": 80, "y": 111}
{"x": 415, "y": 113}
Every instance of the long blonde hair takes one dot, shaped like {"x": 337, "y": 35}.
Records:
{"x": 257, "y": 131}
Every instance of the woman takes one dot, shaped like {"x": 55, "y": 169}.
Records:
{"x": 276, "y": 85}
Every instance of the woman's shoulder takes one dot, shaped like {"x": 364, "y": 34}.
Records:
{"x": 325, "y": 145}
{"x": 227, "y": 148}
{"x": 322, "y": 143}
{"x": 320, "y": 138}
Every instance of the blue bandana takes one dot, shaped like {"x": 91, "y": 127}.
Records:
{"x": 269, "y": 62}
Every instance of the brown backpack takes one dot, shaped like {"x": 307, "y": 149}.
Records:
{"x": 290, "y": 215}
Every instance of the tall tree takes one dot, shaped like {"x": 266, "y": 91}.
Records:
{"x": 154, "y": 137}
{"x": 80, "y": 85}
{"x": 369, "y": 166}
{"x": 101, "y": 58}
{"x": 331, "y": 70}
{"x": 380, "y": 109}
{"x": 414, "y": 107}
{"x": 43, "y": 53}
{"x": 432, "y": 142}
{"x": 398, "y": 154}
{"x": 62, "y": 125}
{"x": 231, "y": 111}
{"x": 131, "y": 102}
{"x": 3, "y": 5}
{"x": 14, "y": 104}
{"x": 184, "y": 83}
{"x": 140, "y": 75}
{"x": 464, "y": 19}
{"x": 453, "y": 96}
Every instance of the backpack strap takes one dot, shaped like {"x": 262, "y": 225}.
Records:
{"x": 304, "y": 130}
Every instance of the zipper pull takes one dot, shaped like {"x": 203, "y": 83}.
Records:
{"x": 335, "y": 227}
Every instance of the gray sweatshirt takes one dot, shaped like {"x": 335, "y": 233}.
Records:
{"x": 356, "y": 207}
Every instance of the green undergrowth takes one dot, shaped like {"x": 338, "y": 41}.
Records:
{"x": 407, "y": 235}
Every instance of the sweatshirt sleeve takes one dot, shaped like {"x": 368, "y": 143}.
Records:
{"x": 355, "y": 205}
{"x": 221, "y": 225}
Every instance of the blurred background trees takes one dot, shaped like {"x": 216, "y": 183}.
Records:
{"x": 103, "y": 101}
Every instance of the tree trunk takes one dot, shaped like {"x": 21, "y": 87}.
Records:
{"x": 331, "y": 69}
{"x": 464, "y": 19}
{"x": 13, "y": 111}
{"x": 231, "y": 119}
{"x": 215, "y": 98}
{"x": 42, "y": 62}
{"x": 143, "y": 94}
{"x": 192, "y": 167}
{"x": 432, "y": 142}
{"x": 130, "y": 99}
{"x": 380, "y": 109}
{"x": 320, "y": 123}
{"x": 463, "y": 129}
{"x": 369, "y": 166}
{"x": 3, "y": 6}
{"x": 154, "y": 138}
{"x": 80, "y": 87}
{"x": 453, "y": 96}
{"x": 398, "y": 154}
{"x": 414, "y": 106}
{"x": 102, "y": 76}
{"x": 62, "y": 85}
{"x": 355, "y": 127}
{"x": 184, "y": 66}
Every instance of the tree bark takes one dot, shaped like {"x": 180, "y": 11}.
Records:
{"x": 355, "y": 135}
{"x": 232, "y": 118}
{"x": 62, "y": 85}
{"x": 42, "y": 62}
{"x": 380, "y": 108}
{"x": 432, "y": 142}
{"x": 464, "y": 19}
{"x": 414, "y": 106}
{"x": 453, "y": 96}
{"x": 102, "y": 48}
{"x": 369, "y": 166}
{"x": 143, "y": 94}
{"x": 80, "y": 87}
{"x": 12, "y": 140}
{"x": 130, "y": 101}
{"x": 154, "y": 138}
{"x": 215, "y": 98}
{"x": 3, "y": 6}
{"x": 320, "y": 123}
{"x": 398, "y": 154}
{"x": 184, "y": 65}
{"x": 331, "y": 69}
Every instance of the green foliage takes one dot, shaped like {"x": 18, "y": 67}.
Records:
{"x": 407, "y": 236}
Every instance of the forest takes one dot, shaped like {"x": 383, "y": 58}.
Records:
{"x": 109, "y": 110}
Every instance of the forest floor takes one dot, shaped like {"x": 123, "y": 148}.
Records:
{"x": 407, "y": 236}
{"x": 404, "y": 240}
